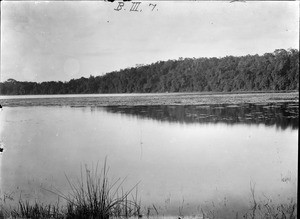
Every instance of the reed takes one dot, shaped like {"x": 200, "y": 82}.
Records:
{"x": 93, "y": 196}
{"x": 266, "y": 209}
{"x": 37, "y": 210}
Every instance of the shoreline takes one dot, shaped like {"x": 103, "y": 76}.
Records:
{"x": 148, "y": 94}
{"x": 151, "y": 99}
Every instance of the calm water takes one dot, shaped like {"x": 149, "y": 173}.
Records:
{"x": 183, "y": 156}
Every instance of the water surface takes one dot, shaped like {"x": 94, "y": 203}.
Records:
{"x": 183, "y": 156}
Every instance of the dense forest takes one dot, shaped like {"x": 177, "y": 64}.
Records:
{"x": 269, "y": 72}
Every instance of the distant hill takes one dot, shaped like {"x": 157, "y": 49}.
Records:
{"x": 275, "y": 71}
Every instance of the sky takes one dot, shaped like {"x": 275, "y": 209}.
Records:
{"x": 61, "y": 40}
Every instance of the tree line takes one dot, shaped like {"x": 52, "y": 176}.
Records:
{"x": 275, "y": 71}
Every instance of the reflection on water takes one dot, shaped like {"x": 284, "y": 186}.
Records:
{"x": 283, "y": 115}
{"x": 192, "y": 159}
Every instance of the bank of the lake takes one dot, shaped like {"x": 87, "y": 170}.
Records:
{"x": 149, "y": 99}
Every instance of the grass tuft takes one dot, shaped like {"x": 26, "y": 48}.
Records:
{"x": 35, "y": 211}
{"x": 93, "y": 196}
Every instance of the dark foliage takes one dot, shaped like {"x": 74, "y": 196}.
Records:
{"x": 275, "y": 71}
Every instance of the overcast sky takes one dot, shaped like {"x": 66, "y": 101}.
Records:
{"x": 44, "y": 41}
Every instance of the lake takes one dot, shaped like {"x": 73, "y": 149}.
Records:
{"x": 185, "y": 157}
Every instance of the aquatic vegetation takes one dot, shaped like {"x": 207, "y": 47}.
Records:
{"x": 258, "y": 208}
{"x": 93, "y": 196}
{"x": 122, "y": 207}
{"x": 155, "y": 99}
{"x": 266, "y": 209}
{"x": 36, "y": 210}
